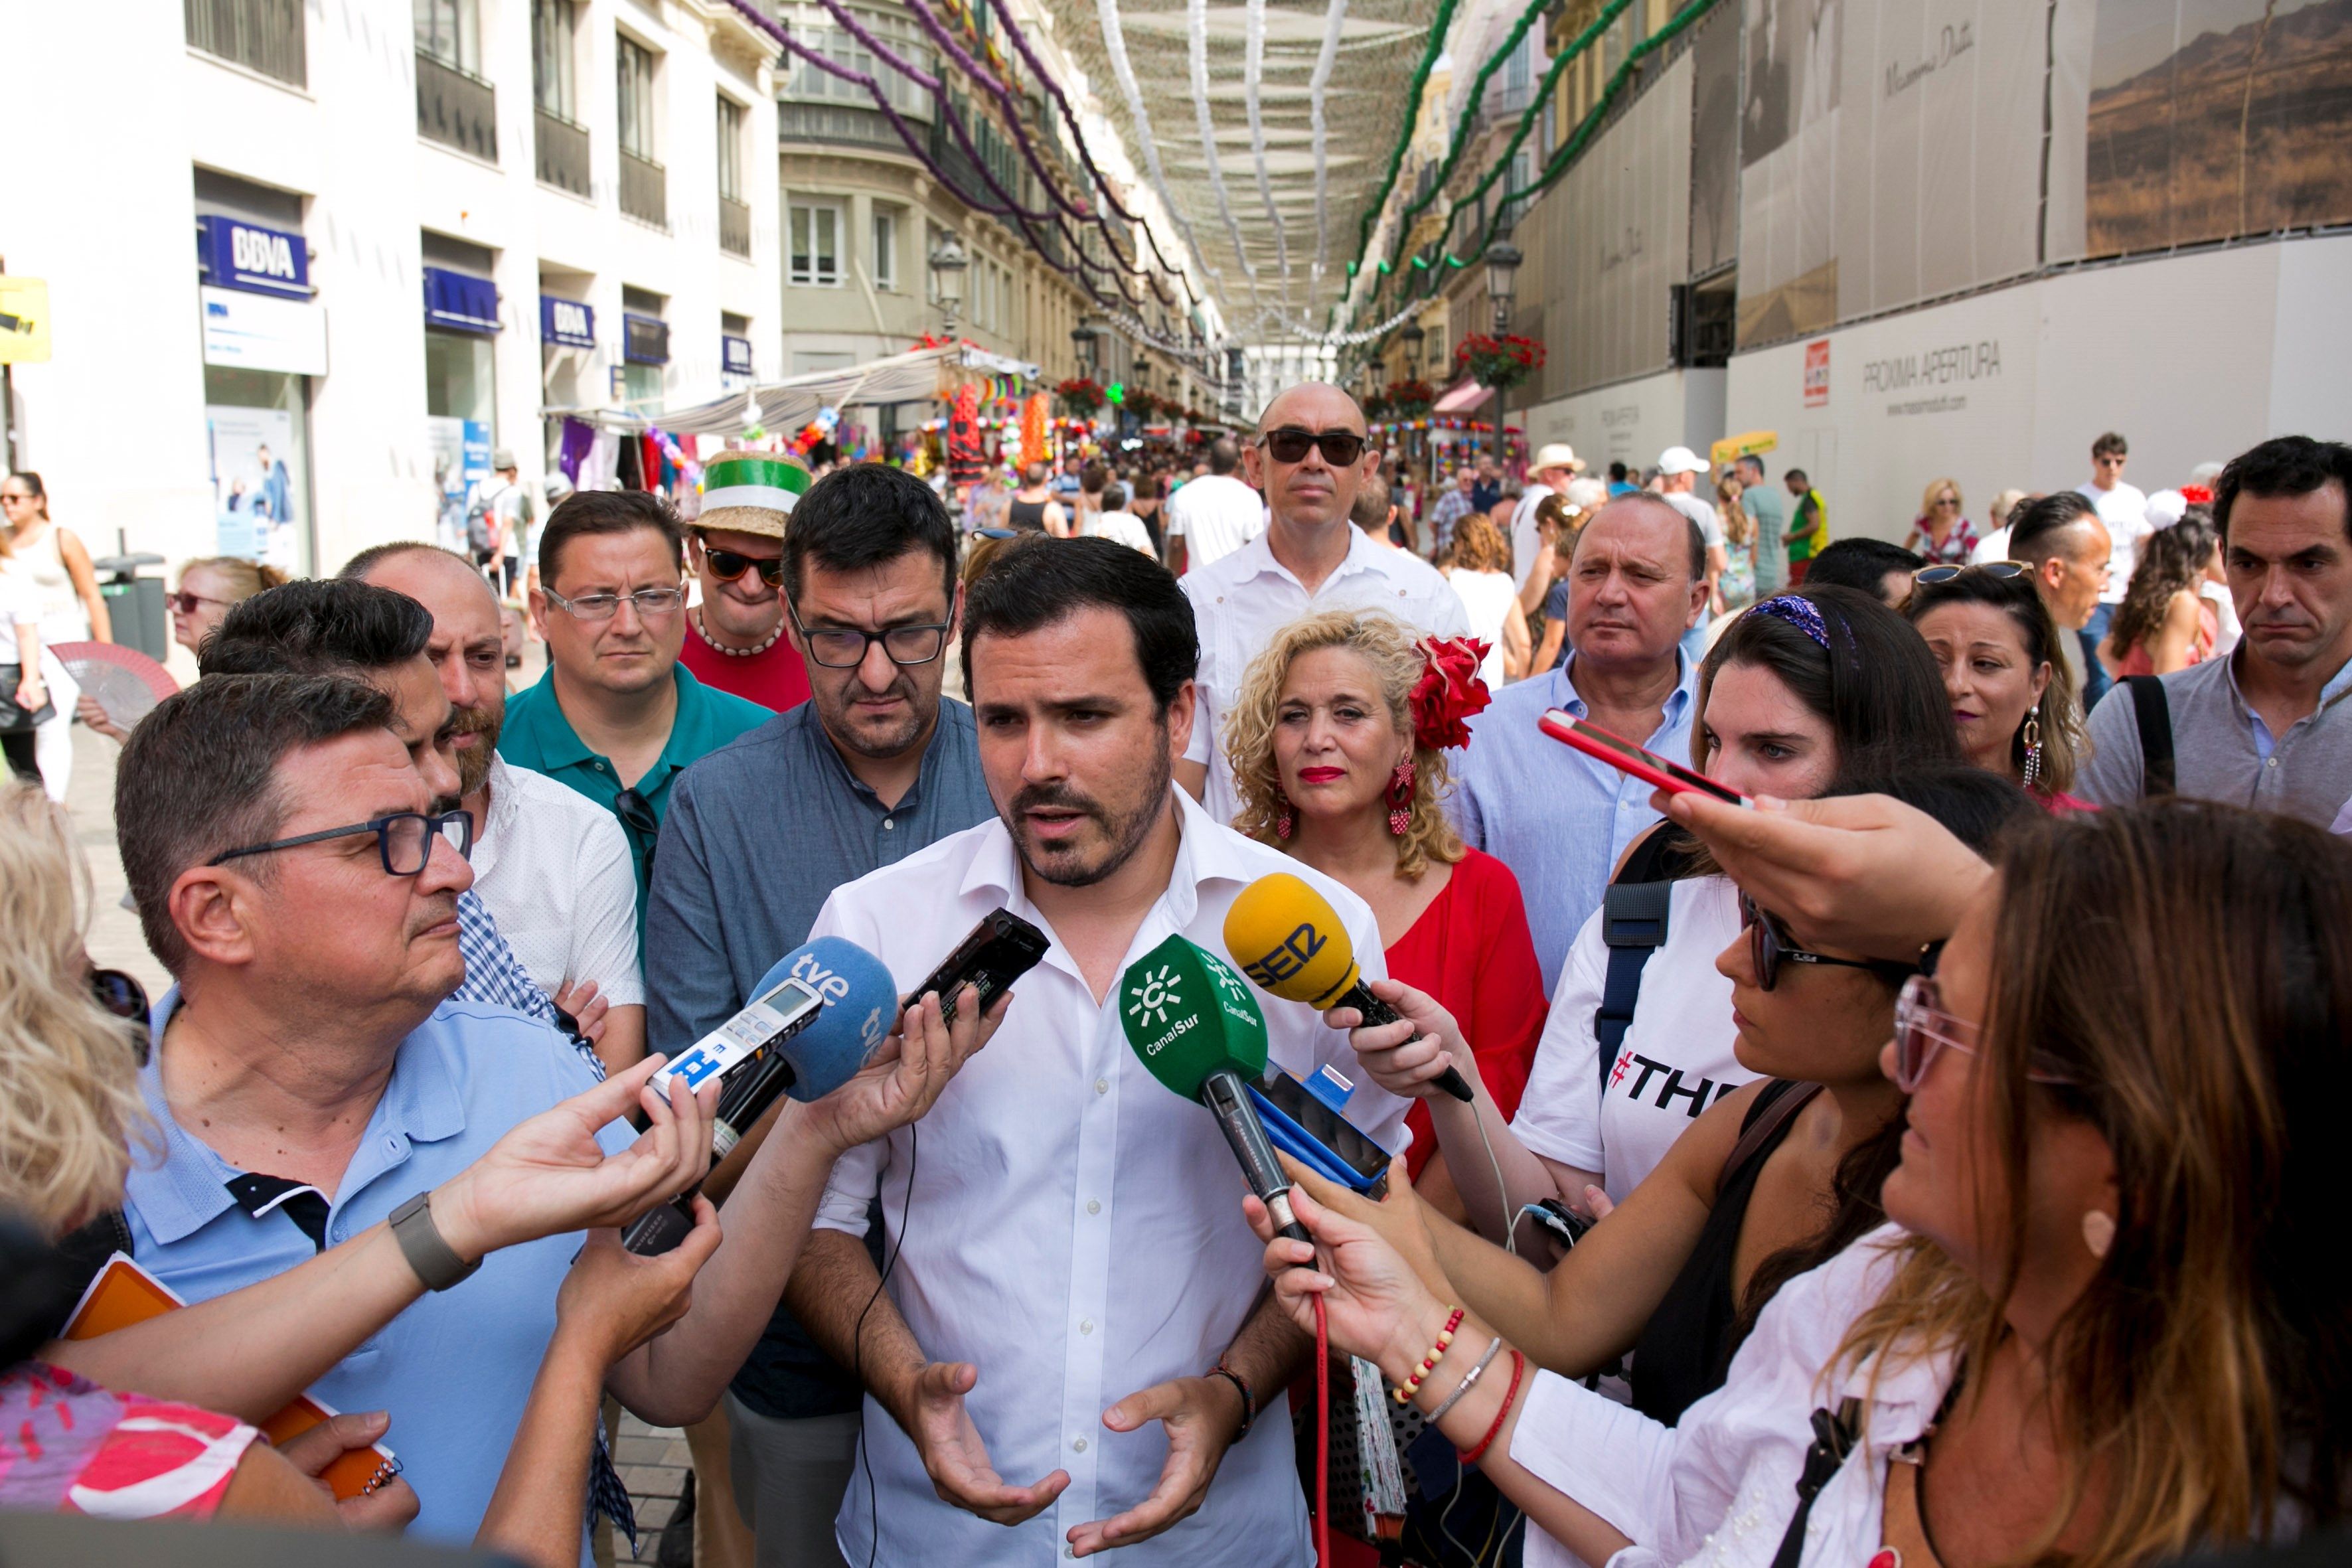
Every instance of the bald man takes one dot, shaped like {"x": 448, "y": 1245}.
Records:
{"x": 555, "y": 870}
{"x": 1309, "y": 458}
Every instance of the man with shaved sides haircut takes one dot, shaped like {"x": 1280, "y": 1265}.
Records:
{"x": 1310, "y": 456}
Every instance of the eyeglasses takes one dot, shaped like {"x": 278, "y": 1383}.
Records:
{"x": 187, "y": 602}
{"x": 651, "y": 603}
{"x": 729, "y": 564}
{"x": 1289, "y": 444}
{"x": 844, "y": 648}
{"x": 1930, "y": 575}
{"x": 404, "y": 839}
{"x": 123, "y": 997}
{"x": 1947, "y": 500}
{"x": 1767, "y": 949}
{"x": 1922, "y": 1028}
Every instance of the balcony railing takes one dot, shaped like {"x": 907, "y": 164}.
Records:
{"x": 645, "y": 189}
{"x": 262, "y": 35}
{"x": 734, "y": 226}
{"x": 457, "y": 108}
{"x": 840, "y": 126}
{"x": 562, "y": 160}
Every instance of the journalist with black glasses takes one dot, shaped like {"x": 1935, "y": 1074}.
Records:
{"x": 1310, "y": 456}
{"x": 617, "y": 716}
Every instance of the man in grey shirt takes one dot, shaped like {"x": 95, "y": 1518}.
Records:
{"x": 1767, "y": 507}
{"x": 876, "y": 766}
{"x": 2268, "y": 726}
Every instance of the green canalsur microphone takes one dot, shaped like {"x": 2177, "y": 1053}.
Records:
{"x": 1196, "y": 1026}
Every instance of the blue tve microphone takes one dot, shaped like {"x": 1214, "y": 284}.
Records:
{"x": 813, "y": 1022}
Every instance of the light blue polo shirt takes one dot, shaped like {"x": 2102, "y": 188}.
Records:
{"x": 456, "y": 1368}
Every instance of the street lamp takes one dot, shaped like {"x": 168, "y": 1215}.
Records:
{"x": 1082, "y": 338}
{"x": 1412, "y": 336}
{"x": 1503, "y": 260}
{"x": 948, "y": 260}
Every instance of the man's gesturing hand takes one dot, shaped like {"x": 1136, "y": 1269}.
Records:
{"x": 1201, "y": 1414}
{"x": 956, "y": 1459}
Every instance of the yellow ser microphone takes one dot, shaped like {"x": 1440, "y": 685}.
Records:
{"x": 1287, "y": 938}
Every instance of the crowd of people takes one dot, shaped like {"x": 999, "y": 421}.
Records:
{"x": 1906, "y": 1154}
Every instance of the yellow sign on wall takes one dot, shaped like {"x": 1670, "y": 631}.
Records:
{"x": 24, "y": 321}
{"x": 1731, "y": 448}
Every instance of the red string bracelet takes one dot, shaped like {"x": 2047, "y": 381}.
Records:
{"x": 1510, "y": 1395}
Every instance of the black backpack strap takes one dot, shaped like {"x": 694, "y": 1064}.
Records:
{"x": 1633, "y": 920}
{"x": 1834, "y": 1439}
{"x": 2157, "y": 774}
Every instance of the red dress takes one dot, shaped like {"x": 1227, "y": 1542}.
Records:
{"x": 1471, "y": 950}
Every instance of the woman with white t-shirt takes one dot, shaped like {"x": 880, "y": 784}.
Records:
{"x": 1800, "y": 688}
{"x": 1479, "y": 567}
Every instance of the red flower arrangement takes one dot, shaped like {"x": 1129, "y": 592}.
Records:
{"x": 2196, "y": 495}
{"x": 1501, "y": 362}
{"x": 1081, "y": 397}
{"x": 1410, "y": 399}
{"x": 1448, "y": 691}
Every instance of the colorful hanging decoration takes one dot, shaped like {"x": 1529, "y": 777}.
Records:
{"x": 966, "y": 457}
{"x": 1037, "y": 430}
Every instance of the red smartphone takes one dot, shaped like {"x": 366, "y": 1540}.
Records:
{"x": 1639, "y": 760}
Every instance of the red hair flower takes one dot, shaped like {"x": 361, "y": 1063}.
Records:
{"x": 1448, "y": 691}
{"x": 2196, "y": 495}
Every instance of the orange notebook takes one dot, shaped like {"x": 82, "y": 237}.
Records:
{"x": 123, "y": 1294}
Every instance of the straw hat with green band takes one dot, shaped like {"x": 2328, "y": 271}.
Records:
{"x": 751, "y": 492}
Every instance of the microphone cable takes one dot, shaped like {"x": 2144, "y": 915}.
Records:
{"x": 857, "y": 1344}
{"x": 1322, "y": 1435}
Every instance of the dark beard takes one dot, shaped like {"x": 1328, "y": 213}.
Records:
{"x": 1126, "y": 834}
{"x": 474, "y": 767}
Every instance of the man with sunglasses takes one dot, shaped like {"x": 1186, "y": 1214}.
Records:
{"x": 1310, "y": 458}
{"x": 735, "y": 638}
{"x": 874, "y": 768}
{"x": 614, "y": 717}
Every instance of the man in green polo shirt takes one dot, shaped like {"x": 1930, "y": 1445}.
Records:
{"x": 616, "y": 717}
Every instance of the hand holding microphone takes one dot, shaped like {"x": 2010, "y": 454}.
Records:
{"x": 1413, "y": 1055}
{"x": 1286, "y": 937}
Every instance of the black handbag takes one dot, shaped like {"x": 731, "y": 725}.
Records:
{"x": 14, "y": 718}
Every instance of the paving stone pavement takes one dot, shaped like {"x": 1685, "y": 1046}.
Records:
{"x": 653, "y": 1465}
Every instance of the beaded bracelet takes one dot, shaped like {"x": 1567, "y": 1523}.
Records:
{"x": 1510, "y": 1395}
{"x": 1454, "y": 1398}
{"x": 1436, "y": 1354}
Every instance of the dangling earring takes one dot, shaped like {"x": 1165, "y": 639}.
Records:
{"x": 1285, "y": 820}
{"x": 2098, "y": 1231}
{"x": 1400, "y": 798}
{"x": 2032, "y": 749}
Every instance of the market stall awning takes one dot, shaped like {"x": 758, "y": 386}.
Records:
{"x": 913, "y": 377}
{"x": 1462, "y": 398}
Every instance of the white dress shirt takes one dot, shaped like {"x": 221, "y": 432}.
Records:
{"x": 556, "y": 873}
{"x": 1071, "y": 1228}
{"x": 1719, "y": 1486}
{"x": 1242, "y": 601}
{"x": 1214, "y": 515}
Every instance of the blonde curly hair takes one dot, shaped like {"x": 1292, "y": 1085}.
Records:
{"x": 1393, "y": 651}
{"x": 69, "y": 1069}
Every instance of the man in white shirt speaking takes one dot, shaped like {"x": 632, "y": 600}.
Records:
{"x": 1210, "y": 517}
{"x": 552, "y": 868}
{"x": 1070, "y": 1347}
{"x": 1310, "y": 456}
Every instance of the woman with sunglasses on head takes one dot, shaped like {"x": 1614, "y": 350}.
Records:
{"x": 1800, "y": 689}
{"x": 1993, "y": 639}
{"x": 2104, "y": 1326}
{"x": 2165, "y": 622}
{"x": 209, "y": 585}
{"x": 1939, "y": 533}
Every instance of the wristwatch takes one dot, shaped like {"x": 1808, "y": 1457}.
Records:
{"x": 436, "y": 1262}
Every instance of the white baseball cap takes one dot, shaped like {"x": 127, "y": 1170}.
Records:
{"x": 1681, "y": 460}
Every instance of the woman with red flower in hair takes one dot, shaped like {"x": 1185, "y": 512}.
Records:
{"x": 1337, "y": 741}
